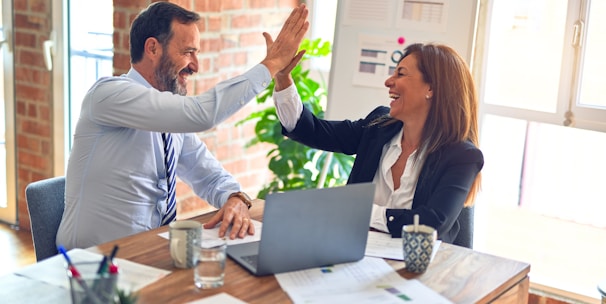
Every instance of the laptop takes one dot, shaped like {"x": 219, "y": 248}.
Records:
{"x": 309, "y": 228}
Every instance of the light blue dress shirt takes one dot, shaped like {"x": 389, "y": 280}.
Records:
{"x": 116, "y": 182}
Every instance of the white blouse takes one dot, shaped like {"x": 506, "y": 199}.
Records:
{"x": 289, "y": 107}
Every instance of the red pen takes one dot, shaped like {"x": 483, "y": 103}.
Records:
{"x": 75, "y": 274}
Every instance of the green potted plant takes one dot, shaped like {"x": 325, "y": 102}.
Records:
{"x": 296, "y": 166}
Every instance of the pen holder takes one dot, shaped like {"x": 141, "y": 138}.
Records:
{"x": 89, "y": 286}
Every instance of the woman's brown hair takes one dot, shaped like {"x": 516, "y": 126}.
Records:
{"x": 453, "y": 116}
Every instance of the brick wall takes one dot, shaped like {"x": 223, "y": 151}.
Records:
{"x": 33, "y": 96}
{"x": 231, "y": 44}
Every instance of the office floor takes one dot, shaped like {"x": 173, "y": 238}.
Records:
{"x": 569, "y": 258}
{"x": 17, "y": 249}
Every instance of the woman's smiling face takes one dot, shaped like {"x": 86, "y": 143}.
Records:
{"x": 410, "y": 94}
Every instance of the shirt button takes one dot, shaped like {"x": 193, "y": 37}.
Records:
{"x": 264, "y": 83}
{"x": 391, "y": 218}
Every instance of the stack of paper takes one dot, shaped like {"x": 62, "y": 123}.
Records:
{"x": 370, "y": 280}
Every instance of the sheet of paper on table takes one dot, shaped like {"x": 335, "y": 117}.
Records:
{"x": 382, "y": 245}
{"x": 370, "y": 280}
{"x": 213, "y": 233}
{"x": 133, "y": 276}
{"x": 379, "y": 244}
{"x": 220, "y": 298}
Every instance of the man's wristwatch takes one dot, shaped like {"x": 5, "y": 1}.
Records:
{"x": 244, "y": 197}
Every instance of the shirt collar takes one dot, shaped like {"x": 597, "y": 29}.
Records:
{"x": 397, "y": 140}
{"x": 136, "y": 76}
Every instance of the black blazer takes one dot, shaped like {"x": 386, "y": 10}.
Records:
{"x": 444, "y": 181}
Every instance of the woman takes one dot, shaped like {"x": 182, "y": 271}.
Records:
{"x": 421, "y": 152}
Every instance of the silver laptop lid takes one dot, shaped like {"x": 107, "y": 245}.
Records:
{"x": 315, "y": 227}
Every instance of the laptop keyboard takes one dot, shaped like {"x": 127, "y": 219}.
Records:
{"x": 251, "y": 260}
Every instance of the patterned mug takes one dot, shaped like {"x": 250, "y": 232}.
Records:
{"x": 418, "y": 246}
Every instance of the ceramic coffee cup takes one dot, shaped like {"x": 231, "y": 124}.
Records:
{"x": 185, "y": 237}
{"x": 418, "y": 242}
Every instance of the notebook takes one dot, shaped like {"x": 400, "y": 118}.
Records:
{"x": 309, "y": 228}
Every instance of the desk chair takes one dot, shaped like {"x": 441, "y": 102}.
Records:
{"x": 45, "y": 203}
{"x": 465, "y": 236}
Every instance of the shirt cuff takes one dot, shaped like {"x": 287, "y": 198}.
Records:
{"x": 259, "y": 76}
{"x": 288, "y": 107}
{"x": 378, "y": 219}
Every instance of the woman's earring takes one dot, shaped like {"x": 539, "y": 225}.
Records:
{"x": 427, "y": 96}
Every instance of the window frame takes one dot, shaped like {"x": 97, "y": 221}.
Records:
{"x": 582, "y": 116}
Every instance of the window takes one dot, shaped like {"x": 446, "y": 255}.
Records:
{"x": 542, "y": 133}
{"x": 90, "y": 50}
{"x": 543, "y": 124}
{"x": 323, "y": 26}
{"x": 82, "y": 45}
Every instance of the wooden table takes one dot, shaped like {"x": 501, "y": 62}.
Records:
{"x": 460, "y": 274}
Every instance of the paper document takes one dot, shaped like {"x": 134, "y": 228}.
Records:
{"x": 133, "y": 276}
{"x": 214, "y": 234}
{"x": 382, "y": 245}
{"x": 370, "y": 280}
{"x": 220, "y": 298}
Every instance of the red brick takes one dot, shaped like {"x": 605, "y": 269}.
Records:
{"x": 240, "y": 59}
{"x": 261, "y": 3}
{"x": 207, "y": 6}
{"x": 225, "y": 60}
{"x": 34, "y": 161}
{"x": 251, "y": 39}
{"x": 201, "y": 24}
{"x": 46, "y": 148}
{"x": 235, "y": 166}
{"x": 289, "y": 3}
{"x": 28, "y": 143}
{"x": 25, "y": 39}
{"x": 32, "y": 93}
{"x": 245, "y": 21}
{"x": 44, "y": 112}
{"x": 120, "y": 20}
{"x": 20, "y": 6}
{"x": 204, "y": 65}
{"x": 259, "y": 163}
{"x": 136, "y": 4}
{"x": 28, "y": 22}
{"x": 32, "y": 110}
{"x": 210, "y": 45}
{"x": 227, "y": 5}
{"x": 24, "y": 74}
{"x": 39, "y": 6}
{"x": 20, "y": 108}
{"x": 125, "y": 45}
{"x": 36, "y": 128}
{"x": 223, "y": 135}
{"x": 121, "y": 63}
{"x": 28, "y": 57}
{"x": 214, "y": 24}
{"x": 186, "y": 4}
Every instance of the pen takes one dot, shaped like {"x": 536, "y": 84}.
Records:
{"x": 113, "y": 254}
{"x": 102, "y": 265}
{"x": 77, "y": 275}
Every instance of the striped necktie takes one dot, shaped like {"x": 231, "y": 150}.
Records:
{"x": 169, "y": 161}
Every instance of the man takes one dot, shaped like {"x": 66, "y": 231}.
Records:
{"x": 135, "y": 133}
